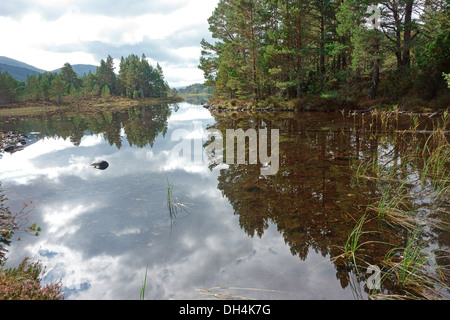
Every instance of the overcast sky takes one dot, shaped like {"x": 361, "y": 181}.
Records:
{"x": 48, "y": 33}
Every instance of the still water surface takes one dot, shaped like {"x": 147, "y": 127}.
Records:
{"x": 237, "y": 233}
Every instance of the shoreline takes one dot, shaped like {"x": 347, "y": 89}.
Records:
{"x": 28, "y": 108}
{"x": 289, "y": 107}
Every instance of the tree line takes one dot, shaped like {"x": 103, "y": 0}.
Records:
{"x": 353, "y": 48}
{"x": 136, "y": 79}
{"x": 196, "y": 88}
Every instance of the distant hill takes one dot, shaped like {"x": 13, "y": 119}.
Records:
{"x": 81, "y": 69}
{"x": 20, "y": 70}
{"x": 17, "y": 73}
{"x": 20, "y": 64}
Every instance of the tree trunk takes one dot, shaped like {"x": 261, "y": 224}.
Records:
{"x": 322, "y": 45}
{"x": 406, "y": 62}
{"x": 299, "y": 46}
{"x": 375, "y": 79}
{"x": 253, "y": 53}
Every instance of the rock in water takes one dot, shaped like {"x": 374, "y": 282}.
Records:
{"x": 101, "y": 165}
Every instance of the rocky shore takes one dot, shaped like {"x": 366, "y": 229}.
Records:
{"x": 227, "y": 108}
{"x": 239, "y": 109}
{"x": 12, "y": 142}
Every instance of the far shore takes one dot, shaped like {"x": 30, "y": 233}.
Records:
{"x": 28, "y": 108}
{"x": 322, "y": 104}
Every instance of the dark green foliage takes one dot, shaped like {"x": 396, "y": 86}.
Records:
{"x": 9, "y": 88}
{"x": 58, "y": 88}
{"x": 433, "y": 61}
{"x": 106, "y": 75}
{"x": 197, "y": 88}
{"x": 70, "y": 77}
{"x": 359, "y": 49}
{"x": 45, "y": 81}
{"x": 137, "y": 79}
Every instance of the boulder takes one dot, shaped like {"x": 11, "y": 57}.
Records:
{"x": 101, "y": 165}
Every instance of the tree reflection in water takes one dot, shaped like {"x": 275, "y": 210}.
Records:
{"x": 315, "y": 200}
{"x": 141, "y": 125}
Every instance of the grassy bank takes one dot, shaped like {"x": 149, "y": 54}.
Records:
{"x": 333, "y": 101}
{"x": 29, "y": 108}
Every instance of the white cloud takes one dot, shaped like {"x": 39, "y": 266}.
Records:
{"x": 36, "y": 39}
{"x": 63, "y": 224}
{"x": 35, "y": 161}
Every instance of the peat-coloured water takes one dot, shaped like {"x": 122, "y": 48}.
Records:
{"x": 195, "y": 227}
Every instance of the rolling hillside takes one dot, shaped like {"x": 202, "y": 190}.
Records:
{"x": 20, "y": 70}
{"x": 81, "y": 69}
{"x": 20, "y": 64}
{"x": 18, "y": 73}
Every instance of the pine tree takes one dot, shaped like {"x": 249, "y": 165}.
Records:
{"x": 400, "y": 28}
{"x": 70, "y": 77}
{"x": 285, "y": 57}
{"x": 106, "y": 93}
{"x": 58, "y": 88}
{"x": 106, "y": 75}
{"x": 137, "y": 78}
{"x": 8, "y": 88}
{"x": 33, "y": 88}
{"x": 89, "y": 84}
{"x": 45, "y": 81}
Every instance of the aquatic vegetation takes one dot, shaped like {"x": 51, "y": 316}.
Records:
{"x": 353, "y": 243}
{"x": 436, "y": 157}
{"x": 408, "y": 176}
{"x": 415, "y": 271}
{"x": 316, "y": 204}
{"x": 176, "y": 206}
{"x": 144, "y": 285}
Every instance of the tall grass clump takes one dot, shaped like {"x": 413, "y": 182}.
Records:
{"x": 409, "y": 172}
{"x": 144, "y": 285}
{"x": 411, "y": 160}
{"x": 353, "y": 240}
{"x": 436, "y": 159}
{"x": 352, "y": 251}
{"x": 414, "y": 271}
{"x": 175, "y": 206}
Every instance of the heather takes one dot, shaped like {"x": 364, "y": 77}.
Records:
{"x": 25, "y": 283}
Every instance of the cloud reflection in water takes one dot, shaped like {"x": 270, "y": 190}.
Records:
{"x": 103, "y": 228}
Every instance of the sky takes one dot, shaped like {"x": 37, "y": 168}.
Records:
{"x": 48, "y": 33}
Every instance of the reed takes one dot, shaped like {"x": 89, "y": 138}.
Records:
{"x": 412, "y": 168}
{"x": 412, "y": 259}
{"x": 436, "y": 157}
{"x": 175, "y": 206}
{"x": 415, "y": 271}
{"x": 352, "y": 248}
{"x": 144, "y": 285}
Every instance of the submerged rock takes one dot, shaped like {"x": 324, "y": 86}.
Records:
{"x": 10, "y": 149}
{"x": 101, "y": 165}
{"x": 11, "y": 142}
